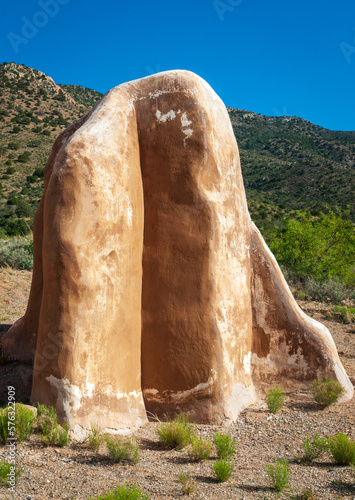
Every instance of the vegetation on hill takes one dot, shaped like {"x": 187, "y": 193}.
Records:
{"x": 292, "y": 164}
{"x": 82, "y": 95}
{"x": 33, "y": 112}
{"x": 299, "y": 177}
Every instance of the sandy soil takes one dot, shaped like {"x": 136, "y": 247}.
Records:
{"x": 77, "y": 472}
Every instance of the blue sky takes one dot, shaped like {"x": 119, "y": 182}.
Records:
{"x": 272, "y": 57}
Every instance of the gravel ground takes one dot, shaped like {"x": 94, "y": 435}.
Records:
{"x": 76, "y": 472}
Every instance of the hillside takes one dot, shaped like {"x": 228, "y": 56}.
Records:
{"x": 288, "y": 163}
{"x": 33, "y": 111}
{"x": 292, "y": 164}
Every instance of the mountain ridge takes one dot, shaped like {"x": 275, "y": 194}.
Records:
{"x": 288, "y": 163}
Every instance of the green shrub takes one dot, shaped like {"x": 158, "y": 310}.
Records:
{"x": 17, "y": 253}
{"x": 24, "y": 157}
{"x": 312, "y": 449}
{"x": 342, "y": 449}
{"x": 63, "y": 435}
{"x": 19, "y": 424}
{"x": 199, "y": 449}
{"x": 332, "y": 289}
{"x": 39, "y": 172}
{"x": 18, "y": 227}
{"x": 47, "y": 424}
{"x": 4, "y": 420}
{"x": 121, "y": 448}
{"x": 123, "y": 493}
{"x": 188, "y": 485}
{"x": 225, "y": 445}
{"x": 278, "y": 474}
{"x": 322, "y": 248}
{"x": 347, "y": 314}
{"x": 34, "y": 143}
{"x": 5, "y": 469}
{"x": 23, "y": 208}
{"x": 95, "y": 437}
{"x": 223, "y": 469}
{"x": 326, "y": 391}
{"x": 275, "y": 399}
{"x": 25, "y": 420}
{"x": 176, "y": 433}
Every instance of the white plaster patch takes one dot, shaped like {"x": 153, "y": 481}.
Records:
{"x": 171, "y": 115}
{"x": 129, "y": 213}
{"x": 188, "y": 132}
{"x": 109, "y": 391}
{"x": 129, "y": 395}
{"x": 184, "y": 121}
{"x": 247, "y": 363}
{"x": 242, "y": 397}
{"x": 151, "y": 391}
{"x": 68, "y": 396}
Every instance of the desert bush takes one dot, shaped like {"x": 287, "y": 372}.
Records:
{"x": 275, "y": 399}
{"x": 24, "y": 157}
{"x": 312, "y": 449}
{"x": 4, "y": 419}
{"x": 225, "y": 445}
{"x": 223, "y": 469}
{"x": 47, "y": 425}
{"x": 188, "y": 485}
{"x": 63, "y": 435}
{"x": 123, "y": 493}
{"x": 326, "y": 391}
{"x": 34, "y": 143}
{"x": 121, "y": 448}
{"x": 25, "y": 420}
{"x": 95, "y": 437}
{"x": 5, "y": 469}
{"x": 23, "y": 208}
{"x": 347, "y": 314}
{"x": 332, "y": 289}
{"x": 278, "y": 474}
{"x": 176, "y": 433}
{"x": 199, "y": 449}
{"x": 39, "y": 172}
{"x": 342, "y": 449}
{"x": 17, "y": 253}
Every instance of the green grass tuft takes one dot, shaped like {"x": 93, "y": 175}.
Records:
{"x": 176, "y": 433}
{"x": 121, "y": 449}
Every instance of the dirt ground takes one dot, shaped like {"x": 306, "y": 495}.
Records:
{"x": 77, "y": 472}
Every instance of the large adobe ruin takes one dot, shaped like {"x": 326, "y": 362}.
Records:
{"x": 152, "y": 288}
